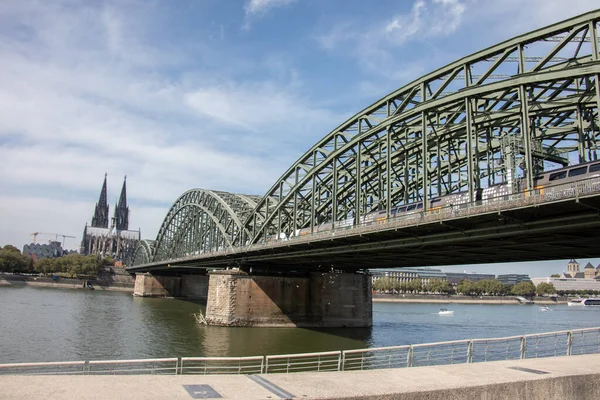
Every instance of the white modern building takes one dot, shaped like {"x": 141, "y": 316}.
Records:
{"x": 570, "y": 284}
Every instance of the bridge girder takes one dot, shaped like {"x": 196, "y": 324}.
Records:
{"x": 504, "y": 113}
{"x": 202, "y": 221}
{"x": 445, "y": 132}
{"x": 143, "y": 252}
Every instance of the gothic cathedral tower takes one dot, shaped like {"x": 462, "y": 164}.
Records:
{"x": 100, "y": 218}
{"x": 121, "y": 210}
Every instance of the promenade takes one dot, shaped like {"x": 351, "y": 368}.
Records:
{"x": 557, "y": 378}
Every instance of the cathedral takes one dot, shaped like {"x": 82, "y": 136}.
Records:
{"x": 116, "y": 240}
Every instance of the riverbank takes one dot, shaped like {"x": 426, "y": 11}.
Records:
{"x": 455, "y": 299}
{"x": 120, "y": 283}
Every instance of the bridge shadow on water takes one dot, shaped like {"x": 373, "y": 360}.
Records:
{"x": 219, "y": 341}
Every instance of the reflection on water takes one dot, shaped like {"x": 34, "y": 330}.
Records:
{"x": 39, "y": 324}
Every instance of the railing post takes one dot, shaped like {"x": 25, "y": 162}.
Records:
{"x": 409, "y": 357}
{"x": 86, "y": 368}
{"x": 266, "y": 365}
{"x": 179, "y": 366}
{"x": 262, "y": 364}
{"x": 340, "y": 361}
{"x": 523, "y": 347}
{"x": 470, "y": 352}
{"x": 570, "y": 343}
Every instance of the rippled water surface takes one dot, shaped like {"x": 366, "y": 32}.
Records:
{"x": 39, "y": 324}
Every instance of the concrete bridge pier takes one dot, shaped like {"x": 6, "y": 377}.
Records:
{"x": 317, "y": 299}
{"x": 186, "y": 286}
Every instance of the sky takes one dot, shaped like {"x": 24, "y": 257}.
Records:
{"x": 210, "y": 94}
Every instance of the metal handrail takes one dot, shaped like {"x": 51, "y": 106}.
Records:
{"x": 548, "y": 344}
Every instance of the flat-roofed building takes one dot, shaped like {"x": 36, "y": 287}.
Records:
{"x": 404, "y": 275}
{"x": 570, "y": 284}
{"x": 456, "y": 277}
{"x": 513, "y": 279}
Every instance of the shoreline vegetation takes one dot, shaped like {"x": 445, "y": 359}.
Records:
{"x": 460, "y": 299}
{"x": 126, "y": 284}
{"x": 116, "y": 283}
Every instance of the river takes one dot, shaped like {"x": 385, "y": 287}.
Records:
{"x": 45, "y": 324}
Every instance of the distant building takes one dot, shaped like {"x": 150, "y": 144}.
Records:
{"x": 572, "y": 268}
{"x": 405, "y": 275}
{"x": 456, "y": 277}
{"x": 589, "y": 272}
{"x": 513, "y": 279}
{"x": 573, "y": 271}
{"x": 570, "y": 284}
{"x": 116, "y": 241}
{"x": 38, "y": 251}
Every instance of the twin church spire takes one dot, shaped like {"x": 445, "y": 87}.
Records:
{"x": 121, "y": 217}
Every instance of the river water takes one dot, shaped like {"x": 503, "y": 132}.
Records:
{"x": 45, "y": 324}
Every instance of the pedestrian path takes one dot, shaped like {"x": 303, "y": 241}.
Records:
{"x": 564, "y": 378}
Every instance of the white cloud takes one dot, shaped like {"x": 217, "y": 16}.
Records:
{"x": 430, "y": 33}
{"x": 376, "y": 45}
{"x": 508, "y": 18}
{"x": 258, "y": 7}
{"x": 89, "y": 90}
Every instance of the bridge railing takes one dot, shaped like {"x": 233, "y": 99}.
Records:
{"x": 551, "y": 344}
{"x": 571, "y": 190}
{"x": 222, "y": 365}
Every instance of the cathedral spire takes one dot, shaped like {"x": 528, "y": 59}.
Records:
{"x": 122, "y": 211}
{"x": 100, "y": 218}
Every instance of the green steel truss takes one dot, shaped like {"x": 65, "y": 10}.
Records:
{"x": 500, "y": 115}
{"x": 203, "y": 221}
{"x": 143, "y": 252}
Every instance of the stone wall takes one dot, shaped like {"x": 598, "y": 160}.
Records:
{"x": 194, "y": 286}
{"x": 236, "y": 298}
{"x": 187, "y": 286}
{"x": 156, "y": 286}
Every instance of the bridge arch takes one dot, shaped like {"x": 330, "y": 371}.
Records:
{"x": 497, "y": 116}
{"x": 202, "y": 221}
{"x": 142, "y": 254}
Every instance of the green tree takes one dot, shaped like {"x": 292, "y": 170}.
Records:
{"x": 466, "y": 287}
{"x": 44, "y": 266}
{"x": 525, "y": 288}
{"x": 438, "y": 286}
{"x": 384, "y": 284}
{"x": 415, "y": 285}
{"x": 545, "y": 288}
{"x": 555, "y": 276}
{"x": 11, "y": 260}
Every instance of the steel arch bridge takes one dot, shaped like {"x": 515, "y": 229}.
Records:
{"x": 501, "y": 115}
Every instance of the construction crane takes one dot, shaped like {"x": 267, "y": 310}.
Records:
{"x": 56, "y": 235}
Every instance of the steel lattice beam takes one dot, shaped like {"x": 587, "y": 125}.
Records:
{"x": 500, "y": 115}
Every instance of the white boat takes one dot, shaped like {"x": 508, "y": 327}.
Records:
{"x": 545, "y": 308}
{"x": 592, "y": 301}
{"x": 445, "y": 311}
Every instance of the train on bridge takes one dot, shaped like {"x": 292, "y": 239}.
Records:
{"x": 549, "y": 183}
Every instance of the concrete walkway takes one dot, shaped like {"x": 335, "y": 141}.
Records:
{"x": 559, "y": 378}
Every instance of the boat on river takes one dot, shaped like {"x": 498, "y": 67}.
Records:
{"x": 592, "y": 301}
{"x": 445, "y": 311}
{"x": 545, "y": 308}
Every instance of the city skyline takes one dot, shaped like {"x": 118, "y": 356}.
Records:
{"x": 210, "y": 95}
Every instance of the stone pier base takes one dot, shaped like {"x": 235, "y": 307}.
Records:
{"x": 236, "y": 298}
{"x": 187, "y": 286}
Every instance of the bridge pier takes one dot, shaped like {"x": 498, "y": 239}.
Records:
{"x": 317, "y": 299}
{"x": 186, "y": 286}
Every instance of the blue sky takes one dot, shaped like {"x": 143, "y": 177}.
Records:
{"x": 206, "y": 93}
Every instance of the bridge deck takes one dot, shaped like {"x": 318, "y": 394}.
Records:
{"x": 564, "y": 228}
